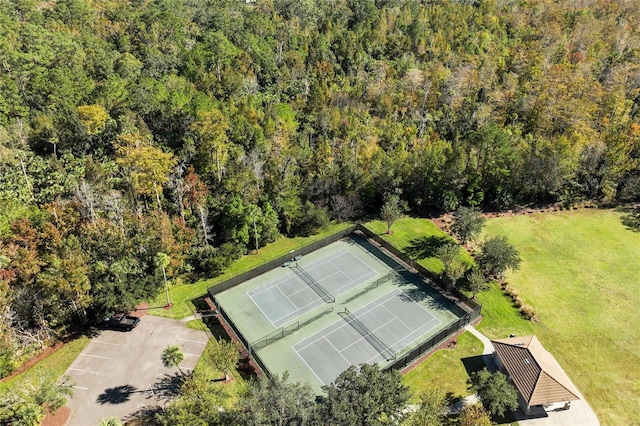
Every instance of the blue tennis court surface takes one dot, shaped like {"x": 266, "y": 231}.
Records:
{"x": 393, "y": 321}
{"x": 287, "y": 298}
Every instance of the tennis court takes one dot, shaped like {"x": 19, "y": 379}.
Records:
{"x": 372, "y": 334}
{"x": 344, "y": 304}
{"x": 308, "y": 284}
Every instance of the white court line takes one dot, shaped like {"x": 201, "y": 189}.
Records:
{"x": 79, "y": 387}
{"x": 193, "y": 341}
{"x": 412, "y": 331}
{"x": 337, "y": 350}
{"x": 433, "y": 317}
{"x": 392, "y": 292}
{"x": 84, "y": 371}
{"x": 95, "y": 356}
{"x": 304, "y": 288}
{"x": 353, "y": 255}
{"x": 105, "y": 343}
{"x": 265, "y": 314}
{"x": 308, "y": 366}
{"x": 370, "y": 332}
{"x": 277, "y": 281}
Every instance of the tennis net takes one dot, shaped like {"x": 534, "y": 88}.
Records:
{"x": 326, "y": 296}
{"x": 383, "y": 349}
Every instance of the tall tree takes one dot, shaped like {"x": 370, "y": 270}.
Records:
{"x": 391, "y": 210}
{"x": 474, "y": 415}
{"x": 454, "y": 267}
{"x": 277, "y": 402}
{"x": 224, "y": 356}
{"x": 29, "y": 401}
{"x": 200, "y": 403}
{"x": 477, "y": 282}
{"x": 146, "y": 166}
{"x": 496, "y": 394}
{"x": 365, "y": 396}
{"x": 213, "y": 143}
{"x": 497, "y": 255}
{"x": 432, "y": 409}
{"x": 467, "y": 223}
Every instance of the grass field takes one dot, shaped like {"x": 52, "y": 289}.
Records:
{"x": 182, "y": 295}
{"x": 233, "y": 389}
{"x": 419, "y": 238}
{"x": 447, "y": 369}
{"x": 580, "y": 273}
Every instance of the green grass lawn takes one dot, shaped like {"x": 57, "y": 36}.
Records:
{"x": 419, "y": 238}
{"x": 447, "y": 369}
{"x": 55, "y": 364}
{"x": 232, "y": 389}
{"x": 182, "y": 295}
{"x": 580, "y": 273}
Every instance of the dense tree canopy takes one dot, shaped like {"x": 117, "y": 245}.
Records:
{"x": 205, "y": 129}
{"x": 365, "y": 396}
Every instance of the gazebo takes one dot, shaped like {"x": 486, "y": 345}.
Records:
{"x": 536, "y": 374}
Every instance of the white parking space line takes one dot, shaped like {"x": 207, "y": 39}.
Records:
{"x": 84, "y": 371}
{"x": 95, "y": 356}
{"x": 193, "y": 341}
{"x": 79, "y": 387}
{"x": 105, "y": 343}
{"x": 188, "y": 354}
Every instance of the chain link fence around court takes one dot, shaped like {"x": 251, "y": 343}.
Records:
{"x": 283, "y": 332}
{"x": 222, "y": 315}
{"x": 434, "y": 341}
{"x": 276, "y": 263}
{"x": 470, "y": 306}
{"x": 433, "y": 280}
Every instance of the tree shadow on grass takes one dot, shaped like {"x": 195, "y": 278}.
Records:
{"x": 473, "y": 364}
{"x": 631, "y": 218}
{"x": 117, "y": 395}
{"x": 424, "y": 247}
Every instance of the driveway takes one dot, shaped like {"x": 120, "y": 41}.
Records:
{"x": 121, "y": 373}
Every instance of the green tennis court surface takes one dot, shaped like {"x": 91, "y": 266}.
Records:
{"x": 372, "y": 334}
{"x": 306, "y": 285}
{"x": 340, "y": 305}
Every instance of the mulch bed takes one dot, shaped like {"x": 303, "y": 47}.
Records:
{"x": 141, "y": 310}
{"x": 33, "y": 360}
{"x": 59, "y": 418}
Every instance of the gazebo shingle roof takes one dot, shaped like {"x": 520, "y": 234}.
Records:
{"x": 535, "y": 372}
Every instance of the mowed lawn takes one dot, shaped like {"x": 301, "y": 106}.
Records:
{"x": 447, "y": 369}
{"x": 580, "y": 272}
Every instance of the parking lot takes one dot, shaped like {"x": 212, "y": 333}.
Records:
{"x": 121, "y": 373}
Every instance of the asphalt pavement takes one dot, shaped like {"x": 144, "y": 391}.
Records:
{"x": 120, "y": 373}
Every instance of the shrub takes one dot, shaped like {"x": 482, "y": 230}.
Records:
{"x": 496, "y": 394}
{"x": 517, "y": 301}
{"x": 528, "y": 312}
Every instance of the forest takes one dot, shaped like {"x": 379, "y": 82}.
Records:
{"x": 142, "y": 137}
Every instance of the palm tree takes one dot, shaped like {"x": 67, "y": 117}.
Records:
{"x": 172, "y": 356}
{"x": 110, "y": 421}
{"x": 162, "y": 260}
